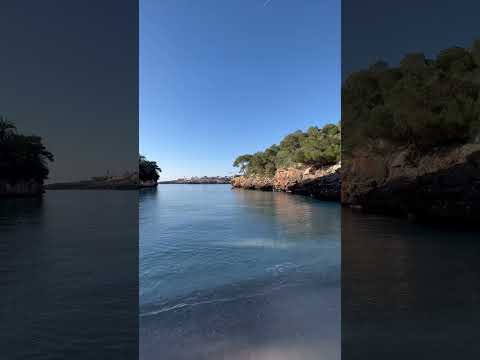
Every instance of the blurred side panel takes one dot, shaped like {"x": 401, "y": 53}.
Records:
{"x": 410, "y": 179}
{"x": 68, "y": 164}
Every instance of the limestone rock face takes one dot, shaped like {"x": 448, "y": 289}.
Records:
{"x": 322, "y": 182}
{"x": 443, "y": 183}
{"x": 253, "y": 182}
{"x": 326, "y": 187}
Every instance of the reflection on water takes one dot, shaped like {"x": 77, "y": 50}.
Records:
{"x": 14, "y": 212}
{"x": 229, "y": 274}
{"x": 408, "y": 290}
{"x": 292, "y": 213}
{"x": 68, "y": 276}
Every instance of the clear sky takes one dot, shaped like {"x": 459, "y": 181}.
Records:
{"x": 70, "y": 75}
{"x": 219, "y": 78}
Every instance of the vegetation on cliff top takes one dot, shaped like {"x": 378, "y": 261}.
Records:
{"x": 147, "y": 170}
{"x": 423, "y": 103}
{"x": 315, "y": 147}
{"x": 22, "y": 158}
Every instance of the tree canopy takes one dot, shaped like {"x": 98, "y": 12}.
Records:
{"x": 316, "y": 147}
{"x": 148, "y": 170}
{"x": 423, "y": 102}
{"x": 21, "y": 157}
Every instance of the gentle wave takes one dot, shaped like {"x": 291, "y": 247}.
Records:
{"x": 213, "y": 301}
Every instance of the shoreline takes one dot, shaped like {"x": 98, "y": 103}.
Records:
{"x": 99, "y": 185}
{"x": 270, "y": 325}
{"x": 174, "y": 182}
{"x": 322, "y": 183}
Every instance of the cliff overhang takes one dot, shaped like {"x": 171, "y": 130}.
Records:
{"x": 443, "y": 184}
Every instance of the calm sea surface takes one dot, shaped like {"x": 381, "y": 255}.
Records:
{"x": 233, "y": 274}
{"x": 409, "y": 291}
{"x": 69, "y": 276}
{"x": 229, "y": 274}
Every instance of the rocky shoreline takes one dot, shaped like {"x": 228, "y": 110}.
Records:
{"x": 443, "y": 184}
{"x": 200, "y": 180}
{"x": 127, "y": 182}
{"x": 319, "y": 182}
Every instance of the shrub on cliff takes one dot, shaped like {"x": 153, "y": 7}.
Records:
{"x": 21, "y": 157}
{"x": 316, "y": 147}
{"x": 424, "y": 103}
{"x": 147, "y": 170}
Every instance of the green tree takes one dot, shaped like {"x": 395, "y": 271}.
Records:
{"x": 242, "y": 162}
{"x": 22, "y": 157}
{"x": 316, "y": 147}
{"x": 423, "y": 103}
{"x": 148, "y": 170}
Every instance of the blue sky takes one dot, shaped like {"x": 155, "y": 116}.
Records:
{"x": 223, "y": 78}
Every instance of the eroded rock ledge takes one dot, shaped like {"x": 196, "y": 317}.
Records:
{"x": 319, "y": 182}
{"x": 442, "y": 184}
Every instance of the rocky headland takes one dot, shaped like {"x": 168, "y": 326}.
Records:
{"x": 319, "y": 182}
{"x": 411, "y": 137}
{"x": 304, "y": 162}
{"x": 125, "y": 182}
{"x": 146, "y": 177}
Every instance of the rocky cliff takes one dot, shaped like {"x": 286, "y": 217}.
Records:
{"x": 444, "y": 183}
{"x": 319, "y": 182}
{"x": 411, "y": 144}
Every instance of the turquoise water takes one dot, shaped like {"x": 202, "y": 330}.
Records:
{"x": 207, "y": 250}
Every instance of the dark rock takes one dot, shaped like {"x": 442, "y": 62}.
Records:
{"x": 325, "y": 188}
{"x": 321, "y": 183}
{"x": 452, "y": 194}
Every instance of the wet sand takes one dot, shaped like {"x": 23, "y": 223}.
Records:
{"x": 294, "y": 322}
